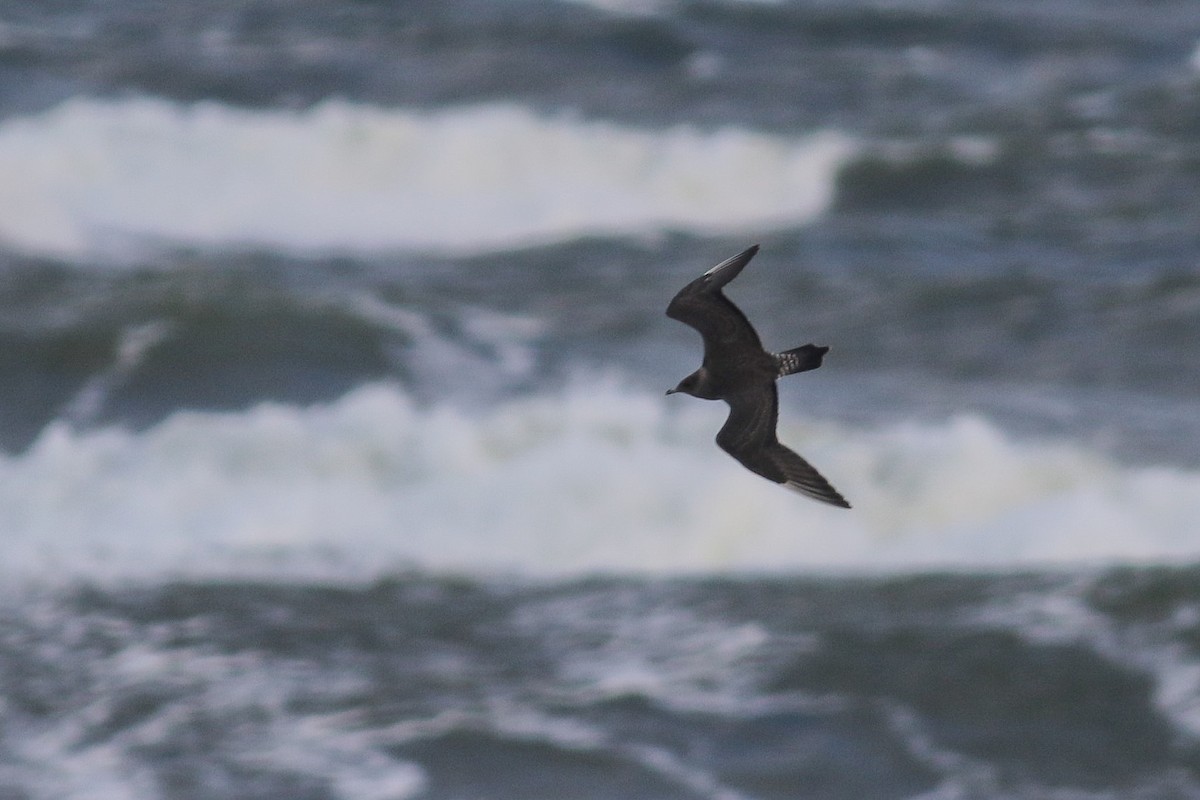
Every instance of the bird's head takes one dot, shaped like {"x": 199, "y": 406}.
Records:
{"x": 695, "y": 384}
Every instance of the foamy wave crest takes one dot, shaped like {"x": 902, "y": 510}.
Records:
{"x": 599, "y": 480}
{"x": 96, "y": 176}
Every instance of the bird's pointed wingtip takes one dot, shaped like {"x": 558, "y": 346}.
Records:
{"x": 749, "y": 253}
{"x": 826, "y": 494}
{"x": 835, "y": 499}
{"x": 728, "y": 269}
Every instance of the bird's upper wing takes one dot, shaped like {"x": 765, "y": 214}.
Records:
{"x": 702, "y": 305}
{"x": 749, "y": 436}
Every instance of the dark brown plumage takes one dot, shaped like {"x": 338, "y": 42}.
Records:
{"x": 739, "y": 371}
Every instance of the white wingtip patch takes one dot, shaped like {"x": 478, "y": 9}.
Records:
{"x": 719, "y": 267}
{"x": 743, "y": 256}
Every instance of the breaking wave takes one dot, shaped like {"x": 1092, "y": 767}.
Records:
{"x": 556, "y": 485}
{"x": 101, "y": 176}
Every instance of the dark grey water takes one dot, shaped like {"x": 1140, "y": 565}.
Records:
{"x": 935, "y": 686}
{"x": 331, "y": 367}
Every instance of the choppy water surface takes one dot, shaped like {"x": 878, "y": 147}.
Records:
{"x": 334, "y": 457}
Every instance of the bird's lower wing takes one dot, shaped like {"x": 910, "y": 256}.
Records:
{"x": 749, "y": 436}
{"x": 802, "y": 477}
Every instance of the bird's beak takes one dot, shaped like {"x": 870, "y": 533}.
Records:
{"x": 672, "y": 391}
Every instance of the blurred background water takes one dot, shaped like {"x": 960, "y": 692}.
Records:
{"x": 334, "y": 461}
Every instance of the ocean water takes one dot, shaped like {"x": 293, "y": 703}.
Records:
{"x": 334, "y": 456}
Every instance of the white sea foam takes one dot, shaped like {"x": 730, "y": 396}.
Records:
{"x": 595, "y": 480}
{"x": 96, "y": 177}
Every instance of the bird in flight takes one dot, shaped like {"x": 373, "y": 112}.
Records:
{"x": 739, "y": 371}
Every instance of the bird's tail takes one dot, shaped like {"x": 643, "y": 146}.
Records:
{"x": 799, "y": 359}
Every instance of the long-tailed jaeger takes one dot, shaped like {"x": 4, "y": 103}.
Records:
{"x": 739, "y": 371}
